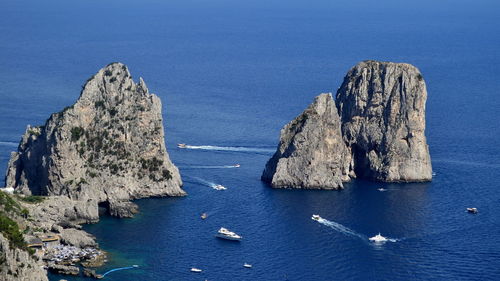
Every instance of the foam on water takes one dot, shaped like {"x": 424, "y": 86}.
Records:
{"x": 9, "y": 143}
{"x": 205, "y": 182}
{"x": 230, "y": 148}
{"x": 349, "y": 232}
{"x": 210, "y": 167}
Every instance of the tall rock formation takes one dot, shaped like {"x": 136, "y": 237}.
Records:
{"x": 311, "y": 152}
{"x": 382, "y": 109}
{"x": 106, "y": 148}
{"x": 382, "y": 120}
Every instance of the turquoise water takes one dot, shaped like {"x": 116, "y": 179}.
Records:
{"x": 231, "y": 74}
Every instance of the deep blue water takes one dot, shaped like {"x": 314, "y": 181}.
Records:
{"x": 232, "y": 74}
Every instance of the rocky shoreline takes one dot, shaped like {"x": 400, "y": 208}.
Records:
{"x": 100, "y": 153}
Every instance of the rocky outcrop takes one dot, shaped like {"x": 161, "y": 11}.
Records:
{"x": 382, "y": 109}
{"x": 311, "y": 152}
{"x": 108, "y": 147}
{"x": 17, "y": 264}
{"x": 64, "y": 269}
{"x": 377, "y": 132}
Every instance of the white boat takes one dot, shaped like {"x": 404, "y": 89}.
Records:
{"x": 378, "y": 238}
{"x": 194, "y": 269}
{"x": 472, "y": 210}
{"x": 237, "y": 165}
{"x": 181, "y": 145}
{"x": 228, "y": 235}
{"x": 316, "y": 217}
{"x": 219, "y": 187}
{"x": 204, "y": 216}
{"x": 381, "y": 189}
{"x": 247, "y": 265}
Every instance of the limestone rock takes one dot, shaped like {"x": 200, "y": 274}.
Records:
{"x": 64, "y": 269}
{"x": 311, "y": 152}
{"x": 380, "y": 134}
{"x": 382, "y": 109}
{"x": 78, "y": 238}
{"x": 123, "y": 209}
{"x": 108, "y": 146}
{"x": 17, "y": 264}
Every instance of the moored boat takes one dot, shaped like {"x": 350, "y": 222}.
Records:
{"x": 204, "y": 216}
{"x": 247, "y": 265}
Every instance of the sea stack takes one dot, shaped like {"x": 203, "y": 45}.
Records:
{"x": 311, "y": 153}
{"x": 382, "y": 109}
{"x": 108, "y": 148}
{"x": 381, "y": 115}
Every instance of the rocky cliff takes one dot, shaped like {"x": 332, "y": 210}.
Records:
{"x": 377, "y": 132}
{"x": 382, "y": 109}
{"x": 311, "y": 152}
{"x": 107, "y": 148}
{"x": 17, "y": 264}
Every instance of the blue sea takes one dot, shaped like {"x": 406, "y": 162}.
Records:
{"x": 230, "y": 74}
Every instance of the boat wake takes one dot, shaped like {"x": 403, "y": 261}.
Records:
{"x": 209, "y": 183}
{"x": 349, "y": 232}
{"x": 228, "y": 148}
{"x": 342, "y": 229}
{"x": 120, "y": 268}
{"x": 210, "y": 167}
{"x": 9, "y": 143}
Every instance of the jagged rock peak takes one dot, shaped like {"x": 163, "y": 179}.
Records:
{"x": 106, "y": 148}
{"x": 382, "y": 109}
{"x": 380, "y": 134}
{"x": 311, "y": 153}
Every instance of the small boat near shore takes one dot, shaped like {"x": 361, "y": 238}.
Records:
{"x": 378, "y": 238}
{"x": 194, "y": 269}
{"x": 181, "y": 145}
{"x": 225, "y": 233}
{"x": 381, "y": 189}
{"x": 472, "y": 210}
{"x": 316, "y": 217}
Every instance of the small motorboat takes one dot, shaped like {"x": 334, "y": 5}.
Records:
{"x": 224, "y": 233}
{"x": 247, "y": 265}
{"x": 204, "y": 216}
{"x": 181, "y": 145}
{"x": 237, "y": 165}
{"x": 472, "y": 210}
{"x": 381, "y": 189}
{"x": 378, "y": 238}
{"x": 219, "y": 187}
{"x": 194, "y": 269}
{"x": 316, "y": 217}
{"x": 135, "y": 265}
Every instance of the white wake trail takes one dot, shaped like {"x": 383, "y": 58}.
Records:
{"x": 209, "y": 167}
{"x": 207, "y": 183}
{"x": 9, "y": 143}
{"x": 342, "y": 229}
{"x": 230, "y": 148}
{"x": 349, "y": 232}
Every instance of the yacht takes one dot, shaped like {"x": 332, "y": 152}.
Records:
{"x": 229, "y": 235}
{"x": 472, "y": 210}
{"x": 181, "y": 145}
{"x": 247, "y": 265}
{"x": 219, "y": 187}
{"x": 316, "y": 217}
{"x": 194, "y": 269}
{"x": 378, "y": 238}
